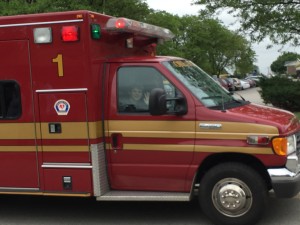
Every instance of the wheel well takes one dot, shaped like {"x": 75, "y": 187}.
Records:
{"x": 249, "y": 160}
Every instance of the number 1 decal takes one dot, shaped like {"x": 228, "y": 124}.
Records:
{"x": 59, "y": 61}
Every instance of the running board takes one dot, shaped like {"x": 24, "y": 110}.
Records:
{"x": 144, "y": 196}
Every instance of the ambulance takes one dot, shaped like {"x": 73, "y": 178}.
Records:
{"x": 87, "y": 109}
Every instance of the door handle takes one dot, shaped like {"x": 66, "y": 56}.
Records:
{"x": 116, "y": 141}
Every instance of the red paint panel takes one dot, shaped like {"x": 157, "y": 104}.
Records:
{"x": 149, "y": 170}
{"x": 18, "y": 169}
{"x": 66, "y": 157}
{"x": 81, "y": 180}
{"x": 17, "y": 142}
{"x": 56, "y": 142}
{"x": 77, "y": 104}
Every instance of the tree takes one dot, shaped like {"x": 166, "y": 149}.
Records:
{"x": 134, "y": 9}
{"x": 278, "y": 19}
{"x": 214, "y": 47}
{"x": 278, "y": 65}
{"x": 173, "y": 23}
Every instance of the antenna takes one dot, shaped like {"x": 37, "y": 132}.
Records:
{"x": 103, "y": 6}
{"x": 223, "y": 104}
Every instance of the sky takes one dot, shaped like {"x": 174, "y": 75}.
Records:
{"x": 264, "y": 56}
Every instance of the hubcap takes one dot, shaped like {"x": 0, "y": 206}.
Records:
{"x": 232, "y": 197}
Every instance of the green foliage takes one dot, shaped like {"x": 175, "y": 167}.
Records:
{"x": 277, "y": 19}
{"x": 278, "y": 65}
{"x": 200, "y": 39}
{"x": 205, "y": 42}
{"x": 281, "y": 92}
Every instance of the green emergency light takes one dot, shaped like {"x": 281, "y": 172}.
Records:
{"x": 95, "y": 31}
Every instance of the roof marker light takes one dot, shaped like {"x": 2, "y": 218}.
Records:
{"x": 95, "y": 31}
{"x": 140, "y": 28}
{"x": 70, "y": 33}
{"x": 42, "y": 35}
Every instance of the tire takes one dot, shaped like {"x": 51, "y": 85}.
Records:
{"x": 233, "y": 193}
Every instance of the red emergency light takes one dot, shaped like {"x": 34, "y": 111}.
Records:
{"x": 139, "y": 28}
{"x": 120, "y": 23}
{"x": 70, "y": 33}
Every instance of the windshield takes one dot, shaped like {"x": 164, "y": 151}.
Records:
{"x": 203, "y": 86}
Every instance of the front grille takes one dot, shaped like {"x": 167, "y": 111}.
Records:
{"x": 298, "y": 142}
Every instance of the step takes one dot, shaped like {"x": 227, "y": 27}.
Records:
{"x": 144, "y": 196}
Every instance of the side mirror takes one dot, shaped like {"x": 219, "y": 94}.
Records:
{"x": 157, "y": 102}
{"x": 181, "y": 106}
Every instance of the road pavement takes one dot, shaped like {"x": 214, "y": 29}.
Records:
{"x": 251, "y": 94}
{"x": 28, "y": 210}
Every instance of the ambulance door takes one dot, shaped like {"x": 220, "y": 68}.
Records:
{"x": 65, "y": 140}
{"x": 18, "y": 150}
{"x": 146, "y": 152}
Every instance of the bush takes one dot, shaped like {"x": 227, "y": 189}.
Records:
{"x": 281, "y": 92}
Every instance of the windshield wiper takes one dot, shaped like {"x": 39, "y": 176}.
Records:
{"x": 212, "y": 97}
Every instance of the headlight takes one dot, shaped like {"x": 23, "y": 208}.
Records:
{"x": 291, "y": 144}
{"x": 284, "y": 146}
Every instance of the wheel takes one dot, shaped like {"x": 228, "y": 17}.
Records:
{"x": 233, "y": 193}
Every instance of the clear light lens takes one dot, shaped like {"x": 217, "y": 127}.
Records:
{"x": 291, "y": 144}
{"x": 132, "y": 26}
{"x": 285, "y": 145}
{"x": 42, "y": 35}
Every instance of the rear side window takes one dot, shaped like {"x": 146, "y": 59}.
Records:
{"x": 10, "y": 100}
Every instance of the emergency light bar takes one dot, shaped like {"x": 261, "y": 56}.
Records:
{"x": 132, "y": 26}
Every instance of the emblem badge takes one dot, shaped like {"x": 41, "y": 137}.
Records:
{"x": 62, "y": 107}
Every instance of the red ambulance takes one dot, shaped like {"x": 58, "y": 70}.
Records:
{"x": 87, "y": 109}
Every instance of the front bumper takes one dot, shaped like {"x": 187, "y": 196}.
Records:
{"x": 286, "y": 181}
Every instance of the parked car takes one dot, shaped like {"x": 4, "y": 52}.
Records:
{"x": 245, "y": 84}
{"x": 236, "y": 83}
{"x": 251, "y": 82}
{"x": 230, "y": 84}
{"x": 255, "y": 78}
{"x": 221, "y": 82}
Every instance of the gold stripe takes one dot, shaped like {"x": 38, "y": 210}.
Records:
{"x": 17, "y": 131}
{"x": 154, "y": 134}
{"x": 198, "y": 148}
{"x": 160, "y": 126}
{"x": 69, "y": 131}
{"x": 238, "y": 127}
{"x": 133, "y": 128}
{"x": 18, "y": 149}
{"x": 229, "y": 136}
{"x": 157, "y": 147}
{"x": 74, "y": 130}
{"x": 252, "y": 150}
{"x": 95, "y": 129}
{"x": 64, "y": 148}
{"x": 186, "y": 129}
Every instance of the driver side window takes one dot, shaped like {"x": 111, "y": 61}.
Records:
{"x": 134, "y": 84}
